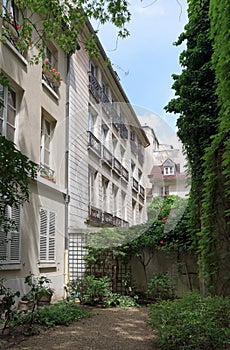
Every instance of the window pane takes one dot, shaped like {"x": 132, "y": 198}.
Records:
{"x": 11, "y": 116}
{"x": 12, "y": 98}
{"x": 10, "y": 133}
{"x": 46, "y": 157}
{"x": 47, "y": 142}
{"x": 1, "y": 92}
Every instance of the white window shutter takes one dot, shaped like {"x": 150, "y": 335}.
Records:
{"x": 10, "y": 242}
{"x": 52, "y": 228}
{"x": 47, "y": 235}
{"x": 14, "y": 239}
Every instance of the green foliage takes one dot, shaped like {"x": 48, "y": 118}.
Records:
{"x": 89, "y": 290}
{"x": 38, "y": 288}
{"x": 61, "y": 313}
{"x": 16, "y": 170}
{"x": 193, "y": 322}
{"x": 122, "y": 301}
{"x": 8, "y": 297}
{"x": 160, "y": 287}
{"x": 196, "y": 100}
{"x": 62, "y": 22}
{"x": 214, "y": 242}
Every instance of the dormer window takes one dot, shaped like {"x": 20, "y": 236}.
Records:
{"x": 168, "y": 167}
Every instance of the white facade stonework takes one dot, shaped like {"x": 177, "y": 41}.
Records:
{"x": 40, "y": 115}
{"x": 106, "y": 153}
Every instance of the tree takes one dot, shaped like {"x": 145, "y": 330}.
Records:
{"x": 16, "y": 170}
{"x": 203, "y": 103}
{"x": 215, "y": 239}
{"x": 196, "y": 101}
{"x": 60, "y": 21}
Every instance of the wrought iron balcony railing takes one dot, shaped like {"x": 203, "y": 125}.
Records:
{"x": 107, "y": 156}
{"x": 135, "y": 185}
{"x": 142, "y": 191}
{"x": 95, "y": 87}
{"x": 124, "y": 173}
{"x": 95, "y": 214}
{"x": 117, "y": 166}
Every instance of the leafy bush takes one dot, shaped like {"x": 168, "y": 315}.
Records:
{"x": 117, "y": 300}
{"x": 160, "y": 287}
{"x": 193, "y": 322}
{"x": 61, "y": 313}
{"x": 89, "y": 290}
{"x": 8, "y": 298}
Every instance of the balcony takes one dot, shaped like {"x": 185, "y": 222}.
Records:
{"x": 95, "y": 214}
{"x": 107, "y": 156}
{"x": 117, "y": 221}
{"x": 135, "y": 185}
{"x": 95, "y": 87}
{"x": 94, "y": 143}
{"x": 124, "y": 173}
{"x": 117, "y": 166}
{"x": 142, "y": 191}
{"x": 107, "y": 218}
{"x": 124, "y": 131}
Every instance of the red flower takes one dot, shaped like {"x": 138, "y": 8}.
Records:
{"x": 18, "y": 27}
{"x": 161, "y": 241}
{"x": 164, "y": 219}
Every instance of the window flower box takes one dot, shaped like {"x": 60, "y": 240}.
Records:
{"x": 52, "y": 75}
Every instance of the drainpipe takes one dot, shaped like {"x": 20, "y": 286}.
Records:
{"x": 66, "y": 253}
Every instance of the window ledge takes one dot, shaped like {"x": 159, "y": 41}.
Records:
{"x": 46, "y": 265}
{"x": 17, "y": 53}
{"x": 6, "y": 266}
{"x": 55, "y": 95}
{"x": 50, "y": 184}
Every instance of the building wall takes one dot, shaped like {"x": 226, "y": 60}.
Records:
{"x": 102, "y": 161}
{"x": 33, "y": 97}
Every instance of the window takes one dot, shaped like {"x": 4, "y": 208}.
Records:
{"x": 169, "y": 170}
{"x": 164, "y": 191}
{"x": 50, "y": 73}
{"x": 92, "y": 181}
{"x": 47, "y": 235}
{"x": 93, "y": 69}
{"x": 92, "y": 120}
{"x": 7, "y": 112}
{"x": 168, "y": 167}
{"x": 105, "y": 193}
{"x": 10, "y": 242}
{"x": 47, "y": 129}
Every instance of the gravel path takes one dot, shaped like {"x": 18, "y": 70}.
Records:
{"x": 108, "y": 329}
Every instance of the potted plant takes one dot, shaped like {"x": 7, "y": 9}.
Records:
{"x": 40, "y": 293}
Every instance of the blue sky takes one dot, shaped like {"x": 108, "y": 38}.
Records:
{"x": 146, "y": 60}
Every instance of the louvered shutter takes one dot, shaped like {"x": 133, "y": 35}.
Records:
{"x": 10, "y": 242}
{"x": 47, "y": 235}
{"x": 14, "y": 239}
{"x": 52, "y": 236}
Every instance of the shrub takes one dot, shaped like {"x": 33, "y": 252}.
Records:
{"x": 61, "y": 313}
{"x": 117, "y": 300}
{"x": 89, "y": 290}
{"x": 160, "y": 287}
{"x": 193, "y": 322}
